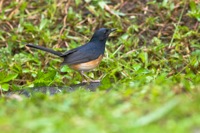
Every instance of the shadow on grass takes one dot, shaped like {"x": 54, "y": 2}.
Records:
{"x": 51, "y": 90}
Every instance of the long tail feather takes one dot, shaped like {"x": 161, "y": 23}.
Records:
{"x": 44, "y": 49}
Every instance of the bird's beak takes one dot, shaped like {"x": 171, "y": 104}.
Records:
{"x": 111, "y": 30}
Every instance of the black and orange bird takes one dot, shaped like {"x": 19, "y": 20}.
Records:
{"x": 85, "y": 57}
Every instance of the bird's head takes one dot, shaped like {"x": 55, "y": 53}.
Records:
{"x": 101, "y": 34}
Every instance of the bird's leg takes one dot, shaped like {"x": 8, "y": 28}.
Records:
{"x": 88, "y": 80}
{"x": 84, "y": 76}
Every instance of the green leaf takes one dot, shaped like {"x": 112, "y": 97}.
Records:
{"x": 144, "y": 57}
{"x": 4, "y": 87}
{"x": 105, "y": 83}
{"x": 194, "y": 12}
{"x": 92, "y": 9}
{"x": 6, "y": 78}
{"x": 44, "y": 79}
{"x": 192, "y": 5}
{"x": 30, "y": 27}
{"x": 118, "y": 13}
{"x": 102, "y": 4}
{"x": 125, "y": 36}
{"x": 43, "y": 24}
{"x": 65, "y": 68}
{"x": 157, "y": 114}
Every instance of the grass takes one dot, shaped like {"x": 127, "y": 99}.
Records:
{"x": 151, "y": 66}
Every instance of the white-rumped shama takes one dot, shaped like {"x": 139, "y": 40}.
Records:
{"x": 85, "y": 57}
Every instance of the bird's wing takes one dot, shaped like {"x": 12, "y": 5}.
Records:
{"x": 81, "y": 55}
{"x": 69, "y": 52}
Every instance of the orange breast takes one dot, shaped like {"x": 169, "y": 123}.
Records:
{"x": 87, "y": 65}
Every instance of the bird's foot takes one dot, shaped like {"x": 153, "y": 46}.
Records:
{"x": 91, "y": 81}
{"x": 95, "y": 81}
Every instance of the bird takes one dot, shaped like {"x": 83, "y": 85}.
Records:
{"x": 85, "y": 57}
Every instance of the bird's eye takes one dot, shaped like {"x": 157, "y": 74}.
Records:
{"x": 105, "y": 31}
